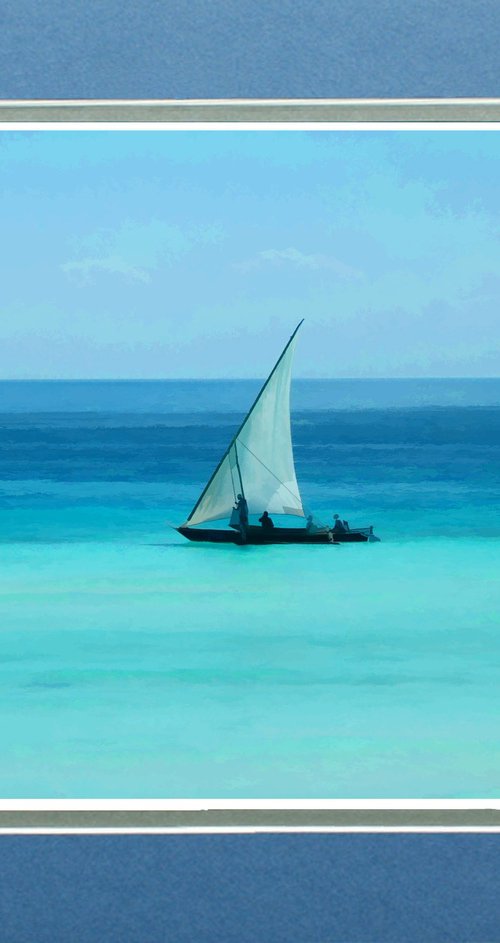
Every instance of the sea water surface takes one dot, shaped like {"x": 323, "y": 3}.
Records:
{"x": 134, "y": 664}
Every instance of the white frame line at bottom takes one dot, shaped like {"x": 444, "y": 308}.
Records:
{"x": 256, "y": 829}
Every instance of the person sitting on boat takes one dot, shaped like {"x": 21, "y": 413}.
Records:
{"x": 313, "y": 528}
{"x": 338, "y": 525}
{"x": 266, "y": 521}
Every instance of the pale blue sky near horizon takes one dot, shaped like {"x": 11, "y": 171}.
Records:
{"x": 242, "y": 49}
{"x": 150, "y": 254}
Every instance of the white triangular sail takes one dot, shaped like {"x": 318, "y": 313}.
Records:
{"x": 259, "y": 461}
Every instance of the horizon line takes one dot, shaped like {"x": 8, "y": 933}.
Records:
{"x": 230, "y": 379}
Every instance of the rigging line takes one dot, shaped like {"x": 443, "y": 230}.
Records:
{"x": 282, "y": 483}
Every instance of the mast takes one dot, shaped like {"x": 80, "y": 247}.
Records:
{"x": 249, "y": 413}
{"x": 239, "y": 469}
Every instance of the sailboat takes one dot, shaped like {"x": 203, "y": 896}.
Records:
{"x": 257, "y": 473}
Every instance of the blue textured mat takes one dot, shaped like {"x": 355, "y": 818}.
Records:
{"x": 240, "y": 49}
{"x": 417, "y": 888}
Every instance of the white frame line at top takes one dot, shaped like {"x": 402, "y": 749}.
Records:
{"x": 119, "y": 124}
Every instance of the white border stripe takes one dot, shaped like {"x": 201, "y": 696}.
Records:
{"x": 242, "y": 102}
{"x": 256, "y": 830}
{"x": 262, "y": 126}
{"x": 206, "y": 805}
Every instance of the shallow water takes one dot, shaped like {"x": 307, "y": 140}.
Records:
{"x": 134, "y": 664}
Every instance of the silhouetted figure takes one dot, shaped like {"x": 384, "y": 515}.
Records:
{"x": 313, "y": 528}
{"x": 266, "y": 521}
{"x": 242, "y": 507}
{"x": 338, "y": 526}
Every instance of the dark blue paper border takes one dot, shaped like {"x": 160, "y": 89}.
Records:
{"x": 241, "y": 49}
{"x": 240, "y": 888}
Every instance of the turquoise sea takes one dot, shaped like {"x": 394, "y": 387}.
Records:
{"x": 134, "y": 664}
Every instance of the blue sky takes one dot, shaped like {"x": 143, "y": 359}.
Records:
{"x": 195, "y": 253}
{"x": 249, "y": 48}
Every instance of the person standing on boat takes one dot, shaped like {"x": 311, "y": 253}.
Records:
{"x": 242, "y": 508}
{"x": 266, "y": 521}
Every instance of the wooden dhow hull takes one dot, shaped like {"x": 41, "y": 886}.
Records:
{"x": 276, "y": 535}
